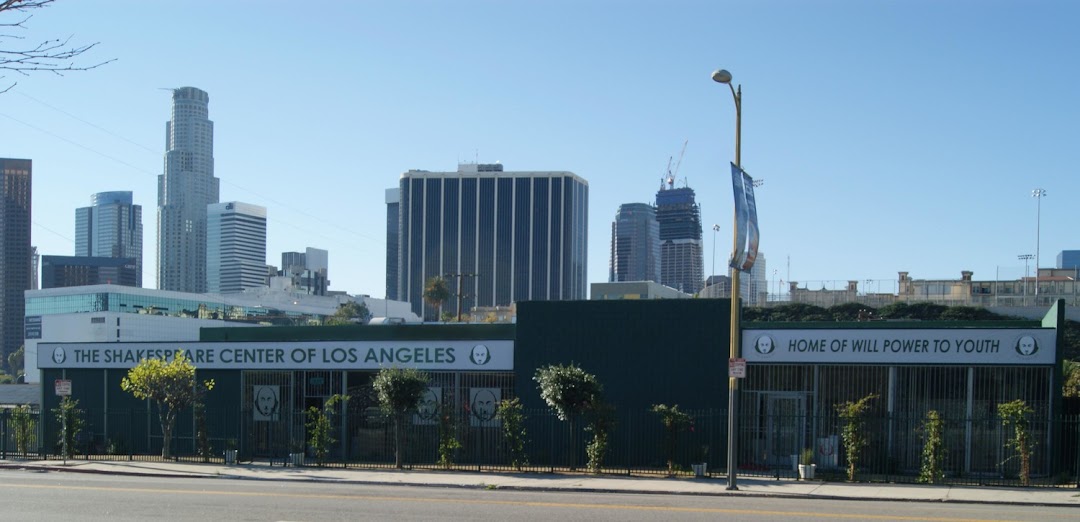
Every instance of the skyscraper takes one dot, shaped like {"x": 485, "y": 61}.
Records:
{"x": 110, "y": 227}
{"x": 15, "y": 254}
{"x": 235, "y": 247}
{"x": 635, "y": 244}
{"x": 681, "y": 263}
{"x": 393, "y": 241}
{"x": 510, "y": 236}
{"x": 307, "y": 271}
{"x": 184, "y": 191}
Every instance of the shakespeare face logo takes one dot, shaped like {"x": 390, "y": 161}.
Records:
{"x": 764, "y": 345}
{"x": 59, "y": 355}
{"x": 267, "y": 403}
{"x": 428, "y": 406}
{"x": 1027, "y": 345}
{"x": 480, "y": 355}
{"x": 483, "y": 406}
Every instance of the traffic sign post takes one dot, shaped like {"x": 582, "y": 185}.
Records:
{"x": 63, "y": 389}
{"x": 736, "y": 368}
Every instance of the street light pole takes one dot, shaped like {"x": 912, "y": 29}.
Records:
{"x": 1038, "y": 194}
{"x": 723, "y": 76}
{"x": 715, "y": 229}
{"x": 1025, "y": 258}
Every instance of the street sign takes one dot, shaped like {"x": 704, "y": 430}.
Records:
{"x": 63, "y": 387}
{"x": 736, "y": 368}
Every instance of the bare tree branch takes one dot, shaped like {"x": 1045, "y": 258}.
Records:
{"x": 53, "y": 56}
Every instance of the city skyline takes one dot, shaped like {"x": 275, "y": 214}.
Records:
{"x": 921, "y": 159}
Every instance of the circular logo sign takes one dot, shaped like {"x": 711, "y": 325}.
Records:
{"x": 1026, "y": 345}
{"x": 59, "y": 355}
{"x": 480, "y": 355}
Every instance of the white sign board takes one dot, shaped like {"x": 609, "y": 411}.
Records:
{"x": 964, "y": 346}
{"x": 63, "y": 387}
{"x": 475, "y": 355}
{"x": 736, "y": 368}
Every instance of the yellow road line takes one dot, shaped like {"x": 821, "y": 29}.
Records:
{"x": 572, "y": 505}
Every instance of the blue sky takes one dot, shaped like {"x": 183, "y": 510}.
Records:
{"x": 891, "y": 135}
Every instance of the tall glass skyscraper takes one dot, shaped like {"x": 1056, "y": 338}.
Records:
{"x": 510, "y": 236}
{"x": 681, "y": 262}
{"x": 184, "y": 191}
{"x": 235, "y": 247}
{"x": 635, "y": 244}
{"x": 110, "y": 227}
{"x": 15, "y": 252}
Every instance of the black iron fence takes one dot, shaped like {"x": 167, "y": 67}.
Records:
{"x": 976, "y": 450}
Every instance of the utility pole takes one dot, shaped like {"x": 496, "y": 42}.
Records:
{"x": 459, "y": 294}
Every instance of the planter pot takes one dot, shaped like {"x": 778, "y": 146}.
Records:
{"x": 230, "y": 456}
{"x": 700, "y": 470}
{"x": 806, "y": 471}
{"x": 296, "y": 459}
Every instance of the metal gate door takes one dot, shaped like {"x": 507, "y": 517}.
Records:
{"x": 267, "y": 413}
{"x": 785, "y": 433}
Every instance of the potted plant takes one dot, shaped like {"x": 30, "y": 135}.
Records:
{"x": 230, "y": 451}
{"x": 701, "y": 468}
{"x": 296, "y": 453}
{"x": 806, "y": 464}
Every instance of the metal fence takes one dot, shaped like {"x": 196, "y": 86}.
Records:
{"x": 976, "y": 452}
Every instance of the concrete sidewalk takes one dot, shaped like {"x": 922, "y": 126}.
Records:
{"x": 571, "y": 482}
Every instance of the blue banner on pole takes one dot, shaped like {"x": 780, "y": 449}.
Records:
{"x": 746, "y": 223}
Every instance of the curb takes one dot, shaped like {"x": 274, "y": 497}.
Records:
{"x": 495, "y": 487}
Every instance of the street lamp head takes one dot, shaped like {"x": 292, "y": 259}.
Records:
{"x": 716, "y": 228}
{"x": 721, "y": 76}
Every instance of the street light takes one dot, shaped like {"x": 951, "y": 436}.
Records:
{"x": 723, "y": 76}
{"x": 1025, "y": 258}
{"x": 715, "y": 229}
{"x": 1038, "y": 194}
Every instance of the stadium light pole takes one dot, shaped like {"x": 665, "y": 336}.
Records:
{"x": 1038, "y": 194}
{"x": 723, "y": 76}
{"x": 1025, "y": 258}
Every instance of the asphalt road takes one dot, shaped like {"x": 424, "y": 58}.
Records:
{"x": 53, "y": 496}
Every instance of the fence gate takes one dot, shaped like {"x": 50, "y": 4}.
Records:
{"x": 267, "y": 413}
{"x": 785, "y": 428}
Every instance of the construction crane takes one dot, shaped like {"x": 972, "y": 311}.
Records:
{"x": 672, "y": 173}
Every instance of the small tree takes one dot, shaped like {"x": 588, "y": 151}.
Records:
{"x": 202, "y": 431}
{"x": 436, "y": 292}
{"x": 68, "y": 410}
{"x": 16, "y": 362}
{"x": 674, "y": 421}
{"x": 398, "y": 391}
{"x": 448, "y": 441}
{"x": 171, "y": 385}
{"x": 24, "y": 428}
{"x": 1070, "y": 371}
{"x": 510, "y": 413}
{"x": 570, "y": 391}
{"x": 1017, "y": 415}
{"x": 320, "y": 425}
{"x": 601, "y": 424}
{"x": 351, "y": 312}
{"x": 934, "y": 452}
{"x": 853, "y": 432}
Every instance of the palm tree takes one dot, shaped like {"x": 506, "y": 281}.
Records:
{"x": 436, "y": 292}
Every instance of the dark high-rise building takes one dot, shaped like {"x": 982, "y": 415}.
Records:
{"x": 186, "y": 188}
{"x": 64, "y": 271}
{"x": 110, "y": 227}
{"x": 15, "y": 253}
{"x": 506, "y": 236}
{"x": 681, "y": 261}
{"x": 393, "y": 243}
{"x": 635, "y": 244}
